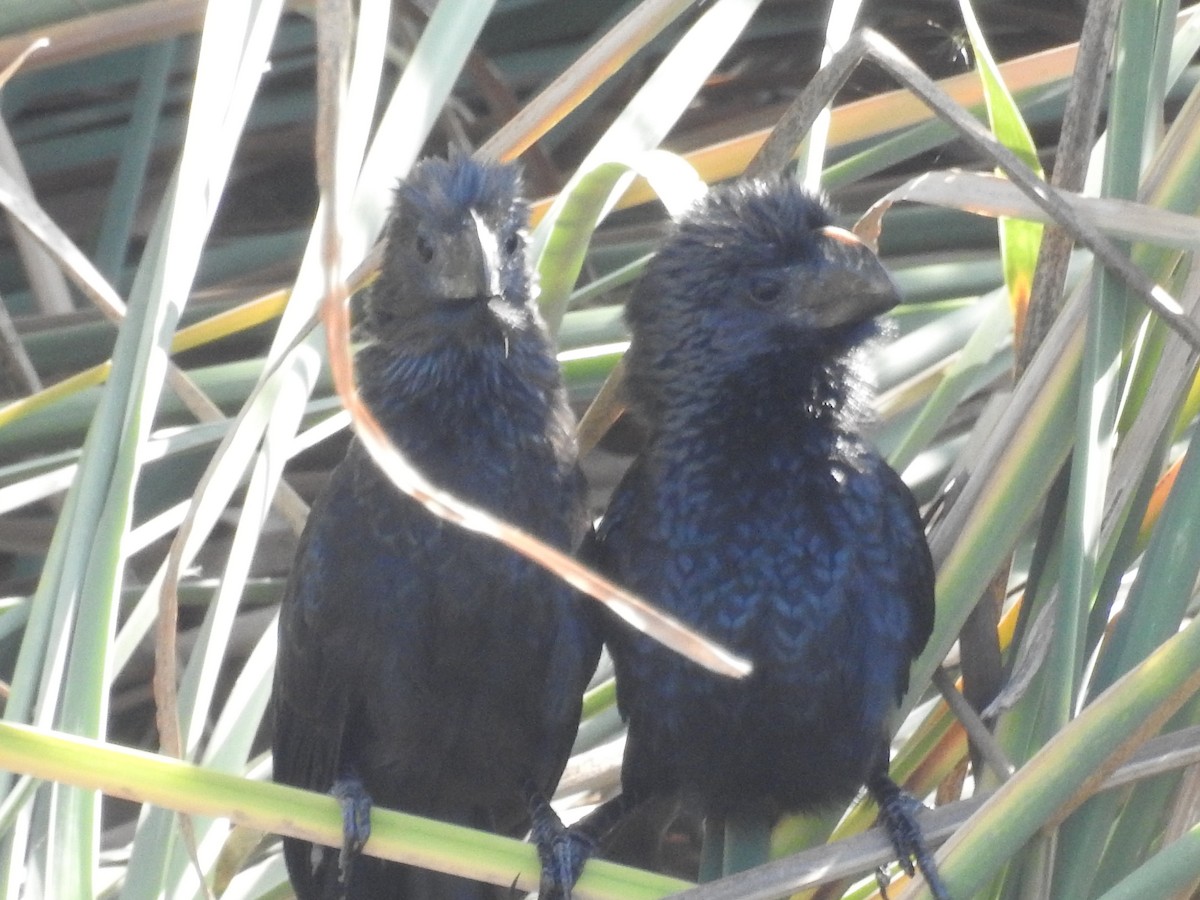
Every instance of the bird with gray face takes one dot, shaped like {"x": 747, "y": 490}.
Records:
{"x": 759, "y": 514}
{"x": 422, "y": 667}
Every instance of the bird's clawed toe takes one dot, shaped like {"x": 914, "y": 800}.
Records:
{"x": 356, "y": 819}
{"x": 898, "y": 814}
{"x": 562, "y": 850}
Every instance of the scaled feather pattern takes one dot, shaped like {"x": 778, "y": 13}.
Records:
{"x": 758, "y": 513}
{"x": 422, "y": 667}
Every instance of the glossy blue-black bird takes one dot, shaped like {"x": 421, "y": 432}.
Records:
{"x": 758, "y": 513}
{"x": 422, "y": 667}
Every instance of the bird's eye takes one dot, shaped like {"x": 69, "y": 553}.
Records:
{"x": 766, "y": 293}
{"x": 424, "y": 248}
{"x": 512, "y": 244}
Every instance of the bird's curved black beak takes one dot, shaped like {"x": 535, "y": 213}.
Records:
{"x": 851, "y": 285}
{"x": 475, "y": 273}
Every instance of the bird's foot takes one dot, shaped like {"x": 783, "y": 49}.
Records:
{"x": 562, "y": 850}
{"x": 356, "y": 820}
{"x": 883, "y": 880}
{"x": 898, "y": 813}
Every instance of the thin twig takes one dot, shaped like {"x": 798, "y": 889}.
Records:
{"x": 976, "y": 730}
{"x": 780, "y": 146}
{"x": 1070, "y": 169}
{"x": 886, "y": 55}
{"x": 863, "y": 852}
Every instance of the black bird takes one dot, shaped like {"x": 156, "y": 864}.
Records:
{"x": 758, "y": 513}
{"x": 422, "y": 667}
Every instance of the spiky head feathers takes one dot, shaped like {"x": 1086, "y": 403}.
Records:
{"x": 455, "y": 252}
{"x": 755, "y": 269}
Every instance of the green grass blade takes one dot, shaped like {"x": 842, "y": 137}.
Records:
{"x": 1019, "y": 239}
{"x": 1132, "y": 123}
{"x": 1172, "y": 871}
{"x": 185, "y": 787}
{"x": 641, "y": 126}
{"x": 843, "y": 14}
{"x": 584, "y": 201}
{"x": 1074, "y": 760}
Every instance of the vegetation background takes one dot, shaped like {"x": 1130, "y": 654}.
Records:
{"x": 165, "y": 419}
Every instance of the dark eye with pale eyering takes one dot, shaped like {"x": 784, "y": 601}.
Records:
{"x": 512, "y": 244}
{"x": 424, "y": 248}
{"x": 766, "y": 293}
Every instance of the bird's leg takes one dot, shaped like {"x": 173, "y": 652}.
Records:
{"x": 747, "y": 842}
{"x": 562, "y": 850}
{"x": 712, "y": 848}
{"x": 349, "y": 791}
{"x": 898, "y": 812}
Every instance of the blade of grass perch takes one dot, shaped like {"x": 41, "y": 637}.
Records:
{"x": 275, "y": 808}
{"x": 1067, "y": 769}
{"x": 859, "y": 854}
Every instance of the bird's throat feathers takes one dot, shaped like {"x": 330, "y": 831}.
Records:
{"x": 824, "y": 388}
{"x": 461, "y": 381}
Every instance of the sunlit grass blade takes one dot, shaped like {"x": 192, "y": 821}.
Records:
{"x": 245, "y": 316}
{"x": 642, "y": 124}
{"x": 842, "y": 17}
{"x": 1019, "y": 239}
{"x": 599, "y": 62}
{"x": 1064, "y": 772}
{"x": 582, "y": 203}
